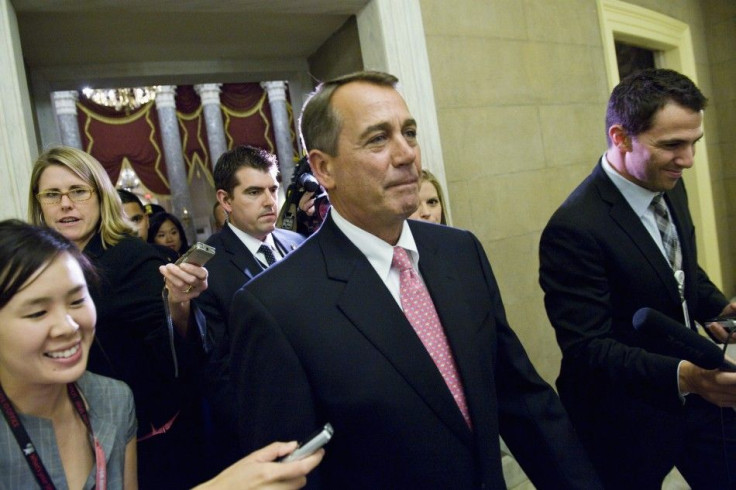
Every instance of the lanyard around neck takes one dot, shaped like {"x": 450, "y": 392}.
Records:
{"x": 29, "y": 450}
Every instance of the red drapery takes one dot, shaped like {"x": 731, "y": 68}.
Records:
{"x": 112, "y": 136}
{"x": 247, "y": 116}
{"x": 193, "y": 132}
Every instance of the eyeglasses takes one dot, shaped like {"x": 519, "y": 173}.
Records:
{"x": 78, "y": 194}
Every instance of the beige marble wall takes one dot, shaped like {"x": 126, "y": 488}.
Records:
{"x": 720, "y": 36}
{"x": 520, "y": 88}
{"x": 338, "y": 55}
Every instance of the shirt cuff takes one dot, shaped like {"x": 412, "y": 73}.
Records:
{"x": 680, "y": 393}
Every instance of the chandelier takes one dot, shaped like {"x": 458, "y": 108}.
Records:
{"x": 128, "y": 179}
{"x": 127, "y": 99}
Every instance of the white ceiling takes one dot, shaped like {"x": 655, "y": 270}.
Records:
{"x": 84, "y": 33}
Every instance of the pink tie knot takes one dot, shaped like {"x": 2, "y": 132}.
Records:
{"x": 401, "y": 259}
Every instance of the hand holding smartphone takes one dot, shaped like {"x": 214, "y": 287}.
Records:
{"x": 312, "y": 444}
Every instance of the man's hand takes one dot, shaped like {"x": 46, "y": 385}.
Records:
{"x": 717, "y": 330}
{"x": 184, "y": 281}
{"x": 306, "y": 203}
{"x": 718, "y": 387}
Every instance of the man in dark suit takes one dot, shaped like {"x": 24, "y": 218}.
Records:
{"x": 247, "y": 186}
{"x": 322, "y": 336}
{"x": 639, "y": 409}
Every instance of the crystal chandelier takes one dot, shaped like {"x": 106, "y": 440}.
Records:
{"x": 127, "y": 99}
{"x": 128, "y": 179}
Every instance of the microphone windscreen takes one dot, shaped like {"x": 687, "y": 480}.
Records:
{"x": 674, "y": 339}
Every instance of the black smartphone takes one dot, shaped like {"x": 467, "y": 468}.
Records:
{"x": 198, "y": 254}
{"x": 313, "y": 442}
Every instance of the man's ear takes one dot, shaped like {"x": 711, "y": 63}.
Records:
{"x": 224, "y": 198}
{"x": 619, "y": 138}
{"x": 322, "y": 167}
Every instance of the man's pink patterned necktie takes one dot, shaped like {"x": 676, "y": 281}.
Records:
{"x": 420, "y": 312}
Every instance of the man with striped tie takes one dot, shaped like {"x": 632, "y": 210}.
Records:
{"x": 624, "y": 240}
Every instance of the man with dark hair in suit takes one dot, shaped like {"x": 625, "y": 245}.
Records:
{"x": 247, "y": 184}
{"x": 391, "y": 330}
{"x": 624, "y": 240}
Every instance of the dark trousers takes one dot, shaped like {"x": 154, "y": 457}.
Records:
{"x": 708, "y": 459}
{"x": 700, "y": 441}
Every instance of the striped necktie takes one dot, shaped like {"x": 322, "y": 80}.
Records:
{"x": 668, "y": 232}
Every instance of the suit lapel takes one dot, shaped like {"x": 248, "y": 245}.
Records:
{"x": 630, "y": 224}
{"x": 283, "y": 243}
{"x": 239, "y": 254}
{"x": 382, "y": 322}
{"x": 243, "y": 259}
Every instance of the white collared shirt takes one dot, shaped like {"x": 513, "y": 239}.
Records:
{"x": 253, "y": 244}
{"x": 379, "y": 253}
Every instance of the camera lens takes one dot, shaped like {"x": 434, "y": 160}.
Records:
{"x": 308, "y": 182}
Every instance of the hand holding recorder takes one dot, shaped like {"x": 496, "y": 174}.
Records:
{"x": 704, "y": 371}
{"x": 312, "y": 444}
{"x": 187, "y": 278}
{"x": 184, "y": 281}
{"x": 259, "y": 470}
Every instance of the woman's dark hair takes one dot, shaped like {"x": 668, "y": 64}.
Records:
{"x": 25, "y": 248}
{"x": 155, "y": 222}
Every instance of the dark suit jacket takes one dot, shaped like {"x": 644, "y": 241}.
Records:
{"x": 131, "y": 341}
{"x": 231, "y": 267}
{"x": 132, "y": 344}
{"x": 598, "y": 266}
{"x": 335, "y": 347}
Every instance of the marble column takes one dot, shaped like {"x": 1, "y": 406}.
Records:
{"x": 181, "y": 199}
{"x": 65, "y": 107}
{"x": 280, "y": 115}
{"x": 210, "y": 95}
{"x": 18, "y": 144}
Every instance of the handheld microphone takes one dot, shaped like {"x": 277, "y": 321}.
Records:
{"x": 676, "y": 340}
